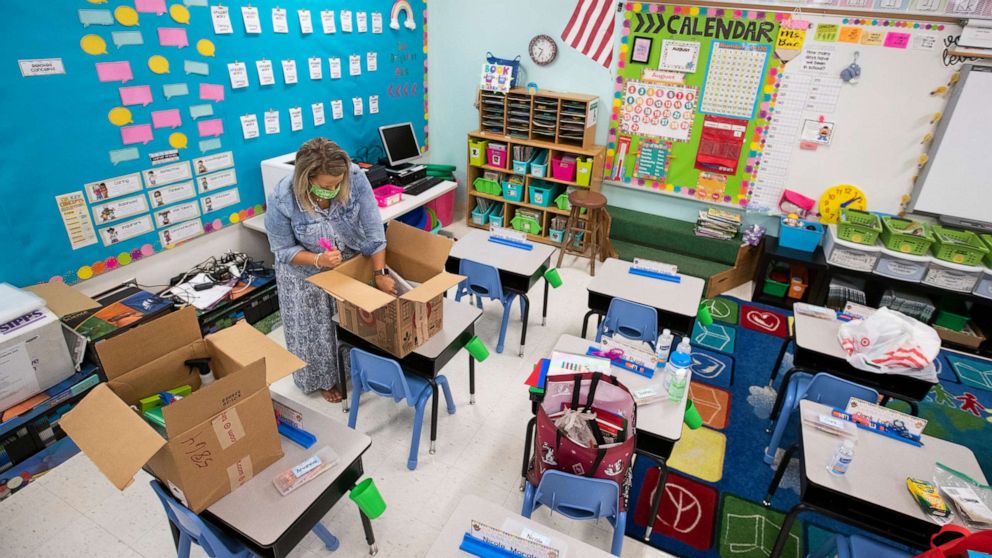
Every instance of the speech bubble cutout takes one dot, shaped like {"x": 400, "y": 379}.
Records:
{"x": 156, "y": 7}
{"x": 211, "y": 92}
{"x": 119, "y": 116}
{"x": 127, "y": 38}
{"x": 114, "y": 71}
{"x": 179, "y": 13}
{"x": 95, "y": 17}
{"x": 141, "y": 133}
{"x": 126, "y": 16}
{"x": 178, "y": 140}
{"x": 173, "y": 36}
{"x": 200, "y": 3}
{"x": 93, "y": 44}
{"x": 170, "y": 118}
{"x": 207, "y": 128}
{"x": 171, "y": 90}
{"x": 199, "y": 68}
{"x": 199, "y": 111}
{"x": 206, "y": 47}
{"x": 136, "y": 95}
{"x": 158, "y": 64}
{"x": 209, "y": 144}
{"x": 126, "y": 154}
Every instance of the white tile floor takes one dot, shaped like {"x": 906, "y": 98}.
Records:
{"x": 74, "y": 509}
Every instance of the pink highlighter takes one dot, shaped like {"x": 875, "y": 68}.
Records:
{"x": 327, "y": 245}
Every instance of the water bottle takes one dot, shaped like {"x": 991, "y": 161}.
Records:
{"x": 677, "y": 371}
{"x": 664, "y": 346}
{"x": 684, "y": 346}
{"x": 842, "y": 458}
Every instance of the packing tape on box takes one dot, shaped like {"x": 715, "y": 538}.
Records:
{"x": 240, "y": 473}
{"x": 228, "y": 428}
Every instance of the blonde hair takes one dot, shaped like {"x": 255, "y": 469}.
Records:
{"x": 316, "y": 157}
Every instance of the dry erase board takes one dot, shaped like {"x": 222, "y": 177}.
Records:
{"x": 132, "y": 126}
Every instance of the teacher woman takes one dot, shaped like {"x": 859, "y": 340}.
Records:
{"x": 328, "y": 198}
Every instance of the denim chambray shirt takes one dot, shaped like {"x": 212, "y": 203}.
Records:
{"x": 356, "y": 226}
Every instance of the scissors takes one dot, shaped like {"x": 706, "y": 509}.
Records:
{"x": 612, "y": 354}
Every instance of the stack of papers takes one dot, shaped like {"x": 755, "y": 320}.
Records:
{"x": 909, "y": 303}
{"x": 717, "y": 223}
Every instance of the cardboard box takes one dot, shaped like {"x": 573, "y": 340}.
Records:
{"x": 970, "y": 337}
{"x": 397, "y": 325}
{"x": 216, "y": 439}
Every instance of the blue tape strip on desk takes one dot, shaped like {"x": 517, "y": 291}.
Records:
{"x": 655, "y": 275}
{"x": 479, "y": 547}
{"x": 623, "y": 363}
{"x": 511, "y": 243}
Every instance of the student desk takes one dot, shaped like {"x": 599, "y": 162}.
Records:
{"x": 426, "y": 360}
{"x": 270, "y": 524}
{"x": 472, "y": 507}
{"x": 659, "y": 424}
{"x": 519, "y": 269}
{"x": 873, "y": 494}
{"x": 817, "y": 349}
{"x": 676, "y": 303}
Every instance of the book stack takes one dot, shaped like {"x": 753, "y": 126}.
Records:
{"x": 717, "y": 223}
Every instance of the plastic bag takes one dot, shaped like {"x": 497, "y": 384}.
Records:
{"x": 971, "y": 501}
{"x": 889, "y": 342}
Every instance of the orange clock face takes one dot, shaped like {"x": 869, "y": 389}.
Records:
{"x": 840, "y": 196}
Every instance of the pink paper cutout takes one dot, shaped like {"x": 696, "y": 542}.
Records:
{"x": 114, "y": 71}
{"x": 150, "y": 6}
{"x": 173, "y": 36}
{"x": 897, "y": 40}
{"x": 211, "y": 92}
{"x": 167, "y": 118}
{"x": 213, "y": 127}
{"x": 136, "y": 95}
{"x": 142, "y": 133}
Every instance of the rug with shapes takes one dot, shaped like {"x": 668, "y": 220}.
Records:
{"x": 715, "y": 336}
{"x": 700, "y": 453}
{"x": 723, "y": 309}
{"x": 748, "y": 530}
{"x": 713, "y": 368}
{"x": 687, "y": 512}
{"x": 975, "y": 372}
{"x": 712, "y": 403}
{"x": 764, "y": 320}
{"x": 945, "y": 372}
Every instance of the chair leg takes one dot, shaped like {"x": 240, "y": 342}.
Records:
{"x": 459, "y": 291}
{"x": 502, "y": 328}
{"x": 356, "y": 394}
{"x": 594, "y": 234}
{"x": 618, "y": 533}
{"x": 779, "y": 473}
{"x": 184, "y": 543}
{"x": 331, "y": 542}
{"x": 524, "y": 318}
{"x": 528, "y": 508}
{"x": 788, "y": 402}
{"x": 418, "y": 425}
{"x": 447, "y": 394}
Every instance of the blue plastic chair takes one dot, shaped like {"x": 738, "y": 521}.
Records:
{"x": 217, "y": 544}
{"x": 822, "y": 388}
{"x": 857, "y": 546}
{"x": 483, "y": 281}
{"x": 578, "y": 497}
{"x": 383, "y": 376}
{"x": 631, "y": 320}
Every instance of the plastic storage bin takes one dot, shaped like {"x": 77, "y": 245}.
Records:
{"x": 774, "y": 288}
{"x": 480, "y": 217}
{"x": 987, "y": 239}
{"x": 806, "y": 237}
{"x": 952, "y": 276}
{"x": 542, "y": 194}
{"x": 539, "y": 164}
{"x": 895, "y": 237}
{"x": 496, "y": 155}
{"x": 563, "y": 169}
{"x": 388, "y": 195}
{"x": 583, "y": 171}
{"x": 905, "y": 267}
{"x": 984, "y": 286}
{"x": 526, "y": 224}
{"x": 496, "y": 217}
{"x": 513, "y": 189}
{"x": 851, "y": 255}
{"x": 959, "y": 247}
{"x": 520, "y": 167}
{"x": 488, "y": 186}
{"x": 858, "y": 227}
{"x": 954, "y": 317}
{"x": 477, "y": 151}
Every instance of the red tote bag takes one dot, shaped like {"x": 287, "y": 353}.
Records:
{"x": 953, "y": 541}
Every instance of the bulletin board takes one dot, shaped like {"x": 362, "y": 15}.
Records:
{"x": 693, "y": 95}
{"x": 124, "y": 115}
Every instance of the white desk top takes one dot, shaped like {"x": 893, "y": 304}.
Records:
{"x": 663, "y": 418}
{"x": 257, "y": 509}
{"x": 409, "y": 203}
{"x": 819, "y": 335}
{"x": 475, "y": 246}
{"x": 613, "y": 279}
{"x": 881, "y": 465}
{"x": 472, "y": 507}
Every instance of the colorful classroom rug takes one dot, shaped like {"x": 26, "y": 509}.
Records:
{"x": 712, "y": 504}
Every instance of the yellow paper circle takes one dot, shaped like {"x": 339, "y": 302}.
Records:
{"x": 119, "y": 116}
{"x": 97, "y": 1}
{"x": 93, "y": 44}
{"x": 158, "y": 64}
{"x": 178, "y": 140}
{"x": 84, "y": 272}
{"x": 126, "y": 16}
{"x": 234, "y": 218}
{"x": 694, "y": 11}
{"x": 179, "y": 13}
{"x": 205, "y": 47}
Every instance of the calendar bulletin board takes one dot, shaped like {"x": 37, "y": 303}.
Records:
{"x": 694, "y": 92}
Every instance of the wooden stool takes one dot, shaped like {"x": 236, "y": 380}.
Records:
{"x": 595, "y": 230}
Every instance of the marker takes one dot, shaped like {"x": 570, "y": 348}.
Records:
{"x": 327, "y": 245}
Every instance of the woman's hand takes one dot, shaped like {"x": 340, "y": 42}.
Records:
{"x": 385, "y": 284}
{"x": 329, "y": 259}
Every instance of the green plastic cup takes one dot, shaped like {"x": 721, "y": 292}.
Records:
{"x": 692, "y": 419}
{"x": 477, "y": 349}
{"x": 553, "y": 277}
{"x": 366, "y": 496}
{"x": 703, "y": 315}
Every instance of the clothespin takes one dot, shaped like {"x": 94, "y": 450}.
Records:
{"x": 936, "y": 117}
{"x": 927, "y": 138}
{"x": 939, "y": 91}
{"x": 922, "y": 160}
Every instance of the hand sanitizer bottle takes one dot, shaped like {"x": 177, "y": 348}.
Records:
{"x": 664, "y": 347}
{"x": 842, "y": 458}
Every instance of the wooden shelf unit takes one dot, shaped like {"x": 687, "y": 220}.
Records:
{"x": 547, "y": 117}
{"x": 596, "y": 152}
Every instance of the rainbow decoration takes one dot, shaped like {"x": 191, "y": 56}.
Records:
{"x": 394, "y": 15}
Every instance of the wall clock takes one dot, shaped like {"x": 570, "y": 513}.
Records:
{"x": 543, "y": 50}
{"x": 840, "y": 196}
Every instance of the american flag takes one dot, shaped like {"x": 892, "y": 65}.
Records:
{"x": 590, "y": 30}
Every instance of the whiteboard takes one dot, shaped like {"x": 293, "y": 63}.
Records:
{"x": 956, "y": 182}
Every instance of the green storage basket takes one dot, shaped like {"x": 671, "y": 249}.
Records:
{"x": 895, "y": 237}
{"x": 952, "y": 315}
{"x": 526, "y": 224}
{"x": 960, "y": 247}
{"x": 477, "y": 151}
{"x": 487, "y": 186}
{"x": 987, "y": 239}
{"x": 774, "y": 288}
{"x": 859, "y": 227}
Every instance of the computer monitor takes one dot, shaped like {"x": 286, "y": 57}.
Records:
{"x": 399, "y": 142}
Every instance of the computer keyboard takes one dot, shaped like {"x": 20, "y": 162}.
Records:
{"x": 420, "y": 186}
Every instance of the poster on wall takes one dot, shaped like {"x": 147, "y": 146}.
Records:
{"x": 176, "y": 214}
{"x": 76, "y": 218}
{"x": 211, "y": 163}
{"x": 216, "y": 181}
{"x": 496, "y": 77}
{"x": 167, "y": 174}
{"x": 220, "y": 200}
{"x": 658, "y": 111}
{"x": 180, "y": 232}
{"x": 167, "y": 195}
{"x": 119, "y": 209}
{"x": 679, "y": 56}
{"x": 120, "y": 232}
{"x": 111, "y": 188}
{"x": 733, "y": 78}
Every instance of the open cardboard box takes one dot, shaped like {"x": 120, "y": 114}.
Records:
{"x": 216, "y": 439}
{"x": 397, "y": 325}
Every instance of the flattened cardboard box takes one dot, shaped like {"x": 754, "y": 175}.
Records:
{"x": 397, "y": 325}
{"x": 217, "y": 439}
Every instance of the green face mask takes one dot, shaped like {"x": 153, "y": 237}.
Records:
{"x": 324, "y": 193}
